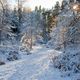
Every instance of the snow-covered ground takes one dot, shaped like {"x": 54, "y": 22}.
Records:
{"x": 35, "y": 66}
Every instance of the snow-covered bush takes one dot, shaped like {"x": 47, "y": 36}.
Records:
{"x": 2, "y": 63}
{"x": 13, "y": 55}
{"x": 68, "y": 61}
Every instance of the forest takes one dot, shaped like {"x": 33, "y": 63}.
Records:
{"x": 40, "y": 44}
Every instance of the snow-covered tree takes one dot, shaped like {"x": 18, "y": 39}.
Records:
{"x": 66, "y": 38}
{"x": 56, "y": 8}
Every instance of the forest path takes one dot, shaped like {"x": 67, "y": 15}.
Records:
{"x": 31, "y": 67}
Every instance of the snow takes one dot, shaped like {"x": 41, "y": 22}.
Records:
{"x": 66, "y": 37}
{"x": 44, "y": 63}
{"x": 35, "y": 66}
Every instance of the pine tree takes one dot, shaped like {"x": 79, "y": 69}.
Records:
{"x": 20, "y": 15}
{"x": 46, "y": 26}
{"x": 57, "y": 8}
{"x": 36, "y": 8}
{"x": 15, "y": 18}
{"x": 40, "y": 10}
{"x": 64, "y": 3}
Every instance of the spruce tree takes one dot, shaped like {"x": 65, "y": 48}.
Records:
{"x": 36, "y": 9}
{"x": 57, "y": 8}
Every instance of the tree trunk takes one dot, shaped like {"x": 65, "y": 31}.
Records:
{"x": 31, "y": 40}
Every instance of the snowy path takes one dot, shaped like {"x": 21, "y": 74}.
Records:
{"x": 31, "y": 67}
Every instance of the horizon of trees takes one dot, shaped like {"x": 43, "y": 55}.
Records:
{"x": 19, "y": 19}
